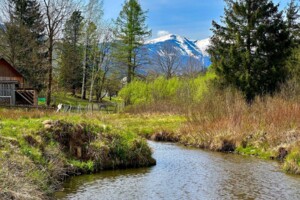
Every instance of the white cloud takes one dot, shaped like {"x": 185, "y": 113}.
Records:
{"x": 162, "y": 33}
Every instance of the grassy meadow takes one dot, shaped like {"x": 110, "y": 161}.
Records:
{"x": 41, "y": 148}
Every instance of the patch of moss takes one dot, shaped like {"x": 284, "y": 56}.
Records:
{"x": 254, "y": 151}
{"x": 292, "y": 162}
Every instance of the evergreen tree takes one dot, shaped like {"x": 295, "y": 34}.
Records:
{"x": 29, "y": 14}
{"x": 25, "y": 35}
{"x": 293, "y": 23}
{"x": 71, "y": 54}
{"x": 130, "y": 33}
{"x": 249, "y": 49}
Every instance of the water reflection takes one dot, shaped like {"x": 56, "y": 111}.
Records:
{"x": 79, "y": 184}
{"x": 187, "y": 173}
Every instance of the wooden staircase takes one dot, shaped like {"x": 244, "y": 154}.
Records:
{"x": 29, "y": 96}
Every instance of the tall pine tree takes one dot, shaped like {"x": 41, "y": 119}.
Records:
{"x": 130, "y": 34}
{"x": 72, "y": 53}
{"x": 293, "y": 24}
{"x": 249, "y": 48}
{"x": 25, "y": 35}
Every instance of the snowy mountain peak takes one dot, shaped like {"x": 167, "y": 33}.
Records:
{"x": 166, "y": 38}
{"x": 187, "y": 48}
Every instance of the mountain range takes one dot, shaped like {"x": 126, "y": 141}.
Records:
{"x": 186, "y": 48}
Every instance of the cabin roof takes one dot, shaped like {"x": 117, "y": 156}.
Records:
{"x": 14, "y": 70}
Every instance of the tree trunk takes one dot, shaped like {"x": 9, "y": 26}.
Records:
{"x": 102, "y": 86}
{"x": 92, "y": 87}
{"x": 50, "y": 69}
{"x": 73, "y": 91}
{"x": 83, "y": 89}
{"x": 129, "y": 72}
{"x": 94, "y": 76}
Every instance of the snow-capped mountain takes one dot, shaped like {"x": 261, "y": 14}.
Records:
{"x": 203, "y": 46}
{"x": 186, "y": 48}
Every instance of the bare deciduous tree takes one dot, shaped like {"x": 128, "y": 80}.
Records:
{"x": 55, "y": 13}
{"x": 167, "y": 60}
{"x": 103, "y": 62}
{"x": 94, "y": 13}
{"x": 192, "y": 67}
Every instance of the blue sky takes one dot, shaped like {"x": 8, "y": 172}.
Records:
{"x": 189, "y": 18}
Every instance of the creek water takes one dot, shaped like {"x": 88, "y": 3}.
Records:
{"x": 188, "y": 173}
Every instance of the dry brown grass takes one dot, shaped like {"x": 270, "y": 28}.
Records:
{"x": 157, "y": 107}
{"x": 223, "y": 121}
{"x": 15, "y": 183}
{"x": 273, "y": 120}
{"x": 12, "y": 113}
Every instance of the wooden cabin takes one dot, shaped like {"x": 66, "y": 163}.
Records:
{"x": 12, "y": 87}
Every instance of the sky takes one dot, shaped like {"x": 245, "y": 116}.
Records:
{"x": 188, "y": 18}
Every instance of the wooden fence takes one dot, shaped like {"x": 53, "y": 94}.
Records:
{"x": 92, "y": 107}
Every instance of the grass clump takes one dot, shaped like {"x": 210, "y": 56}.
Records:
{"x": 83, "y": 166}
{"x": 292, "y": 162}
{"x": 40, "y": 149}
{"x": 253, "y": 151}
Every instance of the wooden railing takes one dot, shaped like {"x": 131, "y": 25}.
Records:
{"x": 28, "y": 95}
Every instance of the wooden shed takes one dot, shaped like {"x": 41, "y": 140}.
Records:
{"x": 12, "y": 90}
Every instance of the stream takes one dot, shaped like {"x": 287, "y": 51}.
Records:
{"x": 187, "y": 173}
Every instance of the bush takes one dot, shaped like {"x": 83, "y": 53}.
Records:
{"x": 177, "y": 91}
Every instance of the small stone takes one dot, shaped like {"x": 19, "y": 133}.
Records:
{"x": 47, "y": 122}
{"x": 48, "y": 126}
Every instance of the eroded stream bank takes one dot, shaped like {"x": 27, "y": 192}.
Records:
{"x": 188, "y": 173}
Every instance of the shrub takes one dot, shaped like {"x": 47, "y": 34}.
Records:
{"x": 179, "y": 92}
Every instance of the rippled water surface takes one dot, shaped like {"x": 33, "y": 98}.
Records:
{"x": 185, "y": 173}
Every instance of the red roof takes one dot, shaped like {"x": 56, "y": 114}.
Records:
{"x": 14, "y": 70}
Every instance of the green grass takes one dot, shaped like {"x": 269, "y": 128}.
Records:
{"x": 253, "y": 151}
{"x": 42, "y": 159}
{"x": 67, "y": 98}
{"x": 146, "y": 125}
{"x": 114, "y": 105}
{"x": 85, "y": 166}
{"x": 292, "y": 162}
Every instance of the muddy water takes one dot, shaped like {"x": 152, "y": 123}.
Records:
{"x": 186, "y": 173}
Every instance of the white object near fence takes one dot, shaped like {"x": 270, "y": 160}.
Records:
{"x": 59, "y": 107}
